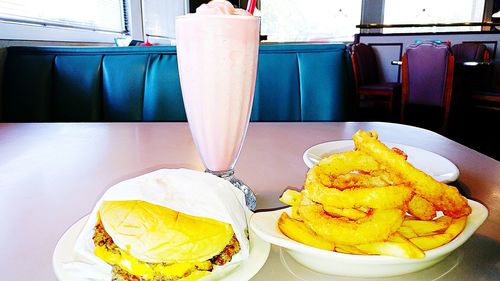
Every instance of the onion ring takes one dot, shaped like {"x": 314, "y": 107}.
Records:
{"x": 376, "y": 226}
{"x": 446, "y": 198}
{"x": 345, "y": 162}
{"x": 372, "y": 179}
{"x": 381, "y": 197}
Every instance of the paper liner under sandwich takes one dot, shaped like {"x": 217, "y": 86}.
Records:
{"x": 191, "y": 192}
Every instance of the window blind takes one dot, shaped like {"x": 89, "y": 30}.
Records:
{"x": 99, "y": 15}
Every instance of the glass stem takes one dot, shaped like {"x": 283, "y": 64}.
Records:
{"x": 250, "y": 199}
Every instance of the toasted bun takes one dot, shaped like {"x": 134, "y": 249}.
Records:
{"x": 153, "y": 233}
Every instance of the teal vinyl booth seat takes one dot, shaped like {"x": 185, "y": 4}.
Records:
{"x": 304, "y": 82}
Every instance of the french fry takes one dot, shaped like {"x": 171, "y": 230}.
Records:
{"x": 407, "y": 232}
{"x": 421, "y": 208}
{"x": 397, "y": 237}
{"x": 395, "y": 249}
{"x": 456, "y": 226}
{"x": 348, "y": 249}
{"x": 431, "y": 241}
{"x": 423, "y": 228}
{"x": 298, "y": 231}
{"x": 352, "y": 214}
{"x": 444, "y": 219}
{"x": 291, "y": 197}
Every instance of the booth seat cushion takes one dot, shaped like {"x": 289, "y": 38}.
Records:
{"x": 296, "y": 82}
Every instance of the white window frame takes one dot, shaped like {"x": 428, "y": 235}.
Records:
{"x": 38, "y": 32}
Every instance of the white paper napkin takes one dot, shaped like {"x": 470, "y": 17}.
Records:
{"x": 191, "y": 192}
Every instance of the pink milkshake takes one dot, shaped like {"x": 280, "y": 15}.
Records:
{"x": 217, "y": 50}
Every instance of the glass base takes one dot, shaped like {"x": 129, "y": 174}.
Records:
{"x": 250, "y": 199}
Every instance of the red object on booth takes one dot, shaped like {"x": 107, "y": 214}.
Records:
{"x": 147, "y": 43}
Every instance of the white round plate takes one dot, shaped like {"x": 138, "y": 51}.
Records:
{"x": 64, "y": 254}
{"x": 435, "y": 165}
{"x": 265, "y": 225}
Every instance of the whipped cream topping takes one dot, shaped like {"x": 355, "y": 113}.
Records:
{"x": 220, "y": 7}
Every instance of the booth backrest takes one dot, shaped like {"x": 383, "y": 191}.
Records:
{"x": 305, "y": 82}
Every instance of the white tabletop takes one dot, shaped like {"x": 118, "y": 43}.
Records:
{"x": 51, "y": 174}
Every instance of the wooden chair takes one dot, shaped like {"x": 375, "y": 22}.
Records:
{"x": 368, "y": 85}
{"x": 469, "y": 51}
{"x": 427, "y": 71}
{"x": 472, "y": 69}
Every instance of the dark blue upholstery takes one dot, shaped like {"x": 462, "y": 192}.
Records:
{"x": 77, "y": 90}
{"x": 28, "y": 81}
{"x": 294, "y": 83}
{"x": 123, "y": 86}
{"x": 161, "y": 79}
{"x": 324, "y": 86}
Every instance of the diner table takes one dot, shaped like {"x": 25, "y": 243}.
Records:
{"x": 52, "y": 174}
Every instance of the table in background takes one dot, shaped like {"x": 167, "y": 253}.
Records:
{"x": 53, "y": 173}
{"x": 476, "y": 106}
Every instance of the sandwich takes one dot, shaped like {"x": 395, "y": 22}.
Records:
{"x": 148, "y": 242}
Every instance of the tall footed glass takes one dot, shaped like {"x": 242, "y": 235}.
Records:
{"x": 217, "y": 58}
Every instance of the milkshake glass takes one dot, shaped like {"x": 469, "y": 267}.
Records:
{"x": 217, "y": 50}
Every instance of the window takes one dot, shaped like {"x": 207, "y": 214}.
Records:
{"x": 49, "y": 19}
{"x": 103, "y": 15}
{"x": 432, "y": 11}
{"x": 159, "y": 17}
{"x": 90, "y": 20}
{"x": 312, "y": 20}
{"x": 102, "y": 21}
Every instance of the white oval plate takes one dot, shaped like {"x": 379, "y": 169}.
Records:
{"x": 64, "y": 254}
{"x": 265, "y": 225}
{"x": 435, "y": 165}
